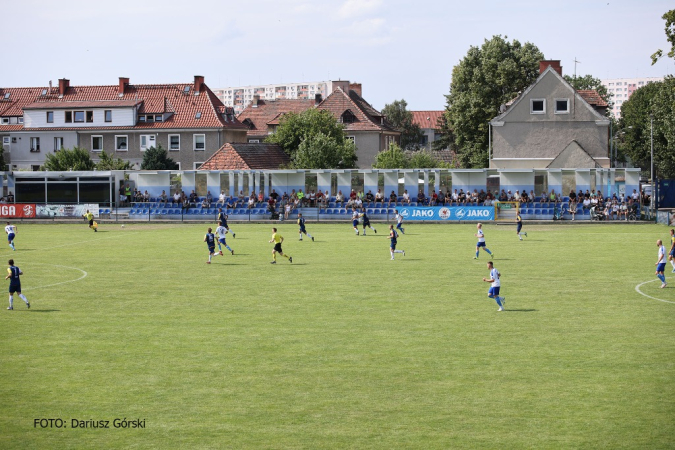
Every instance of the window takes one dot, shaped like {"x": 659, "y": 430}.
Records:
{"x": 197, "y": 165}
{"x": 348, "y": 117}
{"x": 141, "y": 118}
{"x": 50, "y": 116}
{"x": 20, "y": 119}
{"x": 159, "y": 118}
{"x": 147, "y": 141}
{"x": 562, "y": 106}
{"x": 198, "y": 115}
{"x": 538, "y": 106}
{"x": 79, "y": 116}
{"x": 107, "y": 114}
{"x": 351, "y": 138}
{"x": 35, "y": 144}
{"x": 5, "y": 140}
{"x": 68, "y": 117}
{"x": 174, "y": 142}
{"x": 121, "y": 144}
{"x": 97, "y": 143}
{"x": 90, "y": 116}
{"x": 7, "y": 94}
{"x": 199, "y": 141}
{"x": 58, "y": 143}
{"x": 150, "y": 118}
{"x": 254, "y": 141}
{"x": 5, "y": 120}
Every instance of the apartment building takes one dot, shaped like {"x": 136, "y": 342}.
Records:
{"x": 623, "y": 88}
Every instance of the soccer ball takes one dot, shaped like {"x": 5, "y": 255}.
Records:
{"x": 122, "y": 225}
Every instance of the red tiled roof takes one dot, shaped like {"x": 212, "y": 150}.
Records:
{"x": 268, "y": 112}
{"x": 233, "y": 156}
{"x": 155, "y": 98}
{"x": 90, "y": 104}
{"x": 593, "y": 98}
{"x": 427, "y": 119}
{"x": 367, "y": 118}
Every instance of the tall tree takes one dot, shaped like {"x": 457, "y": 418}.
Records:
{"x": 669, "y": 17}
{"x": 485, "y": 79}
{"x": 652, "y": 103}
{"x": 398, "y": 115}
{"x": 588, "y": 82}
{"x": 396, "y": 158}
{"x": 2, "y": 157}
{"x": 64, "y": 160}
{"x": 156, "y": 158}
{"x": 317, "y": 127}
{"x": 108, "y": 161}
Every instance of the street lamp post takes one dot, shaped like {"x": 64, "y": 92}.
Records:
{"x": 651, "y": 173}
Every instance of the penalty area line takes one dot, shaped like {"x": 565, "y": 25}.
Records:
{"x": 637, "y": 288}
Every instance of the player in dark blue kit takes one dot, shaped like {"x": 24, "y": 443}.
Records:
{"x": 519, "y": 226}
{"x": 301, "y": 224}
{"x": 366, "y": 222}
{"x": 13, "y": 274}
{"x": 210, "y": 240}
{"x": 393, "y": 236}
{"x": 222, "y": 220}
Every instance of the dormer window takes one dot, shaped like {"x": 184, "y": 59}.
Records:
{"x": 198, "y": 115}
{"x": 186, "y": 90}
{"x": 141, "y": 118}
{"x": 7, "y": 95}
{"x": 159, "y": 118}
{"x": 150, "y": 118}
{"x": 248, "y": 123}
{"x": 348, "y": 117}
{"x": 44, "y": 92}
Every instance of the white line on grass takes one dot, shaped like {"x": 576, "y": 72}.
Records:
{"x": 637, "y": 288}
{"x": 85, "y": 242}
{"x": 84, "y": 274}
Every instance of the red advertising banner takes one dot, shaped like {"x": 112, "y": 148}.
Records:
{"x": 17, "y": 210}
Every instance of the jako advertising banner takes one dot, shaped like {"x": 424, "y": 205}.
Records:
{"x": 17, "y": 210}
{"x": 451, "y": 213}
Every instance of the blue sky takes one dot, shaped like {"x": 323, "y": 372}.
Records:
{"x": 396, "y": 49}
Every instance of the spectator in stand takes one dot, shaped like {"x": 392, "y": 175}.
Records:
{"x": 511, "y": 197}
{"x": 393, "y": 198}
{"x": 608, "y": 210}
{"x": 285, "y": 198}
{"x": 358, "y": 203}
{"x": 421, "y": 199}
{"x": 221, "y": 198}
{"x": 209, "y": 198}
{"x": 594, "y": 201}
{"x": 318, "y": 198}
{"x": 635, "y": 196}
{"x": 379, "y": 197}
{"x": 580, "y": 196}
{"x": 474, "y": 196}
{"x": 433, "y": 198}
{"x": 261, "y": 196}
{"x": 326, "y": 196}
{"x": 184, "y": 200}
{"x": 352, "y": 195}
{"x": 311, "y": 198}
{"x": 503, "y": 197}
{"x": 163, "y": 198}
{"x": 271, "y": 205}
{"x": 615, "y": 209}
{"x": 646, "y": 199}
{"x": 275, "y": 196}
{"x": 481, "y": 197}
{"x": 523, "y": 197}
{"x": 294, "y": 199}
{"x": 455, "y": 196}
{"x": 205, "y": 203}
{"x": 586, "y": 203}
{"x": 301, "y": 198}
{"x": 251, "y": 201}
{"x": 370, "y": 197}
{"x": 146, "y": 196}
{"x": 623, "y": 211}
{"x": 572, "y": 208}
{"x": 531, "y": 197}
{"x": 441, "y": 198}
{"x": 552, "y": 196}
{"x": 193, "y": 198}
{"x": 461, "y": 197}
{"x": 287, "y": 209}
{"x": 622, "y": 198}
{"x": 406, "y": 197}
{"x": 127, "y": 192}
{"x": 138, "y": 196}
{"x": 489, "y": 198}
{"x": 230, "y": 202}
{"x": 176, "y": 197}
{"x": 339, "y": 198}
{"x": 517, "y": 196}
{"x": 587, "y": 194}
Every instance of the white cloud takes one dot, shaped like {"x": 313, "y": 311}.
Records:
{"x": 356, "y": 8}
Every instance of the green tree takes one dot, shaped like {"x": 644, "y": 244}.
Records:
{"x": 156, "y": 158}
{"x": 319, "y": 151}
{"x": 402, "y": 120}
{"x": 317, "y": 127}
{"x": 109, "y": 162}
{"x": 669, "y": 17}
{"x": 657, "y": 101}
{"x": 485, "y": 79}
{"x": 396, "y": 158}
{"x": 447, "y": 138}
{"x": 2, "y": 157}
{"x": 588, "y": 82}
{"x": 393, "y": 158}
{"x": 64, "y": 160}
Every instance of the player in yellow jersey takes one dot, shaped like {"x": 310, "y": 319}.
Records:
{"x": 90, "y": 217}
{"x": 278, "y": 239}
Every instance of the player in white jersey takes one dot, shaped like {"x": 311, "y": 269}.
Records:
{"x": 355, "y": 220}
{"x": 481, "y": 242}
{"x": 11, "y": 232}
{"x": 661, "y": 263}
{"x": 399, "y": 221}
{"x": 494, "y": 287}
{"x": 221, "y": 231}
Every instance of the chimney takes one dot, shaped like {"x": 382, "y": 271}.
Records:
{"x": 554, "y": 63}
{"x": 256, "y": 99}
{"x": 199, "y": 80}
{"x": 356, "y": 87}
{"x": 64, "y": 84}
{"x": 318, "y": 98}
{"x": 124, "y": 82}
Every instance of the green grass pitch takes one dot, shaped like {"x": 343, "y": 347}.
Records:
{"x": 343, "y": 348}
